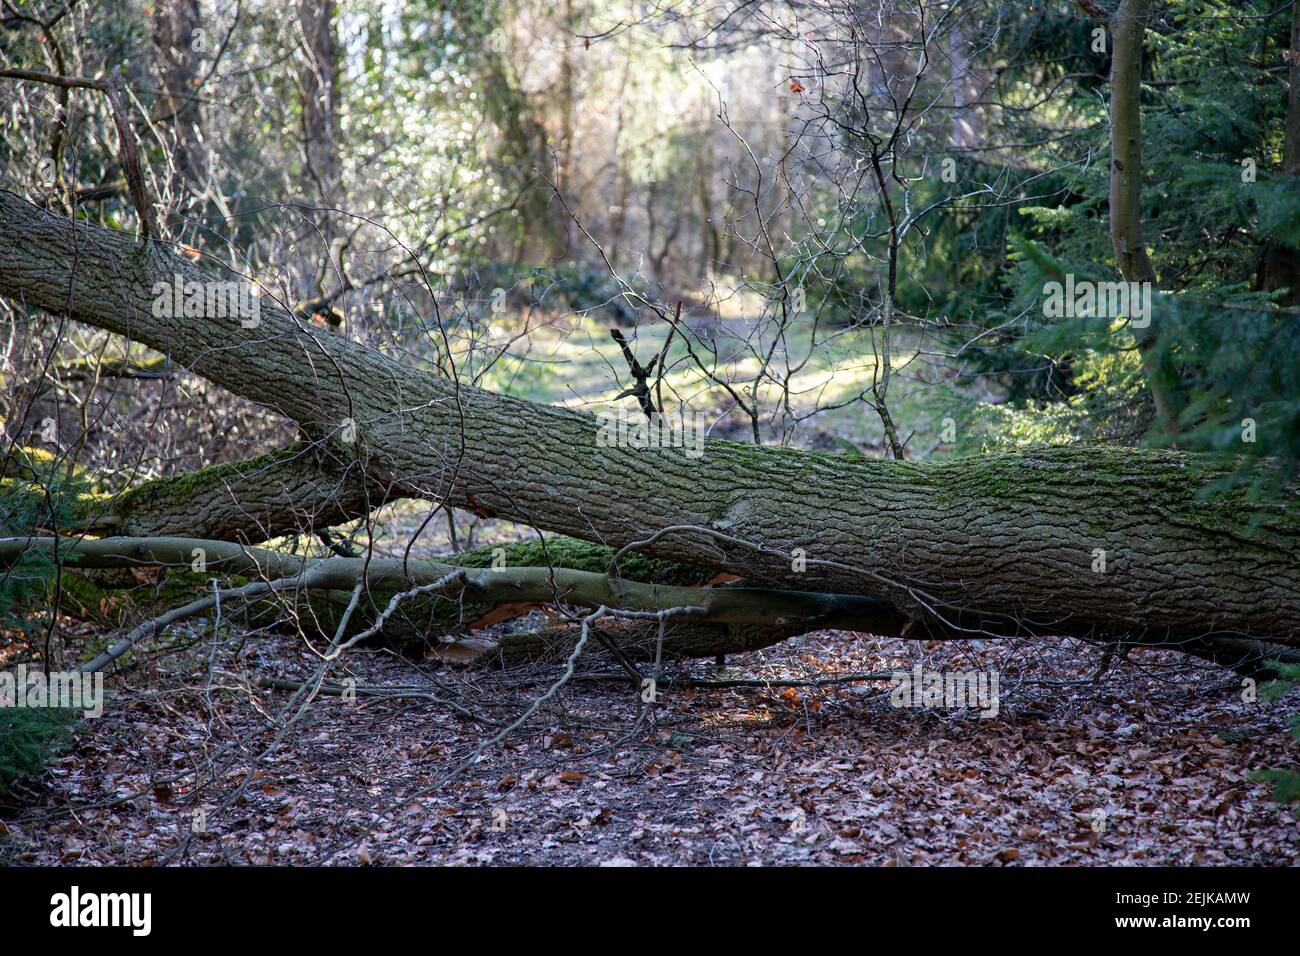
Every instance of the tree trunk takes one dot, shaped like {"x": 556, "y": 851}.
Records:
{"x": 319, "y": 77}
{"x": 1004, "y": 543}
{"x": 730, "y": 619}
{"x": 287, "y": 491}
{"x": 174, "y": 23}
{"x": 1128, "y": 29}
{"x": 1280, "y": 265}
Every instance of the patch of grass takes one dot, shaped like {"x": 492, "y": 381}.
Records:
{"x": 572, "y": 361}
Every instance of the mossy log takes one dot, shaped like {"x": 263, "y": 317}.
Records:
{"x": 1101, "y": 543}
{"x": 734, "y": 615}
{"x": 287, "y": 491}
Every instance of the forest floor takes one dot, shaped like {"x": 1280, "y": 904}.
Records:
{"x": 1149, "y": 765}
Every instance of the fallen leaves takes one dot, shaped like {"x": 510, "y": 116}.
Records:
{"x": 1138, "y": 771}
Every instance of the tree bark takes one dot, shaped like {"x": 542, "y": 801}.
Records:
{"x": 174, "y": 23}
{"x": 1280, "y": 264}
{"x": 319, "y": 78}
{"x": 287, "y": 491}
{"x": 1128, "y": 28}
{"x": 1003, "y": 543}
{"x": 731, "y": 619}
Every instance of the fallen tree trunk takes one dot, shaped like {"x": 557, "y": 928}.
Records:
{"x": 287, "y": 491}
{"x": 712, "y": 621}
{"x": 730, "y": 619}
{"x": 994, "y": 544}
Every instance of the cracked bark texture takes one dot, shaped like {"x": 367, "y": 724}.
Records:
{"x": 286, "y": 491}
{"x": 290, "y": 490}
{"x": 1004, "y": 543}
